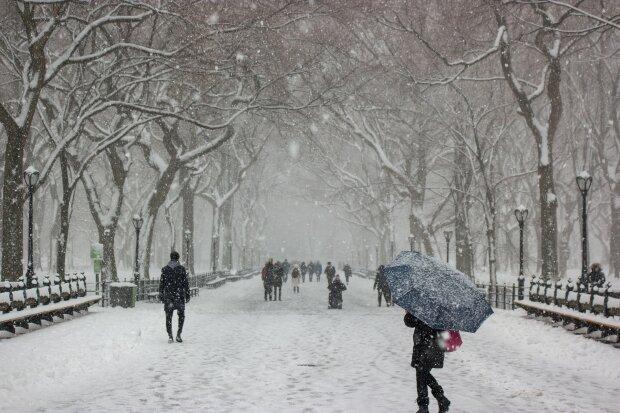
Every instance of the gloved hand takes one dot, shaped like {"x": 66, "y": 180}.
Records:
{"x": 187, "y": 299}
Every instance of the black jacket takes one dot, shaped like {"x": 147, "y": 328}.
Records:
{"x": 278, "y": 275}
{"x": 347, "y": 270}
{"x": 426, "y": 352}
{"x": 173, "y": 284}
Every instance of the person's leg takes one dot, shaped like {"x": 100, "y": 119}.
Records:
{"x": 265, "y": 288}
{"x": 379, "y": 297}
{"x": 181, "y": 316}
{"x": 438, "y": 393}
{"x": 280, "y": 294}
{"x": 169, "y": 322}
{"x": 421, "y": 377}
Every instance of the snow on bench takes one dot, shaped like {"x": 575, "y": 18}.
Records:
{"x": 604, "y": 322}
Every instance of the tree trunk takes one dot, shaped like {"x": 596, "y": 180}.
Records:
{"x": 64, "y": 215}
{"x": 614, "y": 242}
{"x": 226, "y": 217}
{"x": 12, "y": 205}
{"x": 548, "y": 221}
{"x": 215, "y": 238}
{"x": 106, "y": 238}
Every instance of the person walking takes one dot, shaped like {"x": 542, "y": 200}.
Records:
{"x": 295, "y": 277}
{"x": 278, "y": 277}
{"x": 426, "y": 355}
{"x": 319, "y": 271}
{"x": 287, "y": 268}
{"x": 347, "y": 272}
{"x": 174, "y": 293}
{"x": 382, "y": 287}
{"x": 336, "y": 287}
{"x": 304, "y": 270}
{"x": 310, "y": 271}
{"x": 330, "y": 272}
{"x": 267, "y": 277}
{"x": 596, "y": 276}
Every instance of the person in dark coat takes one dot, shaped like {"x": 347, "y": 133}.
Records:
{"x": 596, "y": 276}
{"x": 311, "y": 270}
{"x": 347, "y": 272}
{"x": 319, "y": 271}
{"x": 426, "y": 355}
{"x": 304, "y": 269}
{"x": 267, "y": 277}
{"x": 330, "y": 272}
{"x": 336, "y": 287}
{"x": 382, "y": 287}
{"x": 174, "y": 293}
{"x": 278, "y": 278}
{"x": 287, "y": 268}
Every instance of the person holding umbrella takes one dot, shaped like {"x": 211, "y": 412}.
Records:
{"x": 426, "y": 355}
{"x": 440, "y": 301}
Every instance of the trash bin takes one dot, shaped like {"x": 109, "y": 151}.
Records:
{"x": 123, "y": 294}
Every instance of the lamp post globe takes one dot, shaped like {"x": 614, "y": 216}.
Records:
{"x": 31, "y": 178}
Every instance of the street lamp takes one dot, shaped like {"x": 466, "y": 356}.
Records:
{"x": 521, "y": 215}
{"x": 188, "y": 238}
{"x": 447, "y": 235}
{"x": 31, "y": 177}
{"x": 584, "y": 182}
{"x": 137, "y": 224}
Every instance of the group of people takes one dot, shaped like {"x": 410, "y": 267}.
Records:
{"x": 174, "y": 293}
{"x": 273, "y": 276}
{"x": 311, "y": 269}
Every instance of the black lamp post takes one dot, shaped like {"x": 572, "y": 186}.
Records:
{"x": 31, "y": 177}
{"x": 447, "y": 235}
{"x": 137, "y": 224}
{"x": 521, "y": 215}
{"x": 188, "y": 238}
{"x": 584, "y": 182}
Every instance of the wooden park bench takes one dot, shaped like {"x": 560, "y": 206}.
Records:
{"x": 584, "y": 311}
{"x": 21, "y": 307}
{"x": 153, "y": 297}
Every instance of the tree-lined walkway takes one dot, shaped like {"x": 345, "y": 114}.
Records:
{"x": 243, "y": 354}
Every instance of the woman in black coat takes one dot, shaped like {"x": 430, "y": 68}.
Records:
{"x": 426, "y": 356}
{"x": 336, "y": 287}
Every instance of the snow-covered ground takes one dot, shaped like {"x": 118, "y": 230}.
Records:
{"x": 243, "y": 354}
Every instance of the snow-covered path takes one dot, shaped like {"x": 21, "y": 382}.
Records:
{"x": 243, "y": 354}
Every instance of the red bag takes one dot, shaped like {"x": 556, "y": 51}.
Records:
{"x": 263, "y": 274}
{"x": 450, "y": 340}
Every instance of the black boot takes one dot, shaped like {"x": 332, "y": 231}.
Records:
{"x": 422, "y": 409}
{"x": 444, "y": 404}
{"x": 179, "y": 339}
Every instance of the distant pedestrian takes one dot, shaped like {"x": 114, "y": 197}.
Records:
{"x": 174, "y": 293}
{"x": 287, "y": 268}
{"x": 336, "y": 287}
{"x": 330, "y": 272}
{"x": 311, "y": 270}
{"x": 278, "y": 278}
{"x": 267, "y": 277}
{"x": 304, "y": 270}
{"x": 295, "y": 277}
{"x": 347, "y": 272}
{"x": 319, "y": 271}
{"x": 426, "y": 355}
{"x": 382, "y": 287}
{"x": 596, "y": 276}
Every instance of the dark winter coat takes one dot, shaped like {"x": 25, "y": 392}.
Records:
{"x": 347, "y": 270}
{"x": 330, "y": 271}
{"x": 596, "y": 279}
{"x": 381, "y": 282}
{"x": 426, "y": 352}
{"x": 286, "y": 266}
{"x": 303, "y": 268}
{"x": 335, "y": 288}
{"x": 295, "y": 273}
{"x": 174, "y": 286}
{"x": 278, "y": 275}
{"x": 267, "y": 275}
{"x": 319, "y": 268}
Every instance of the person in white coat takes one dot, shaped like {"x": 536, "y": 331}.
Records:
{"x": 296, "y": 277}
